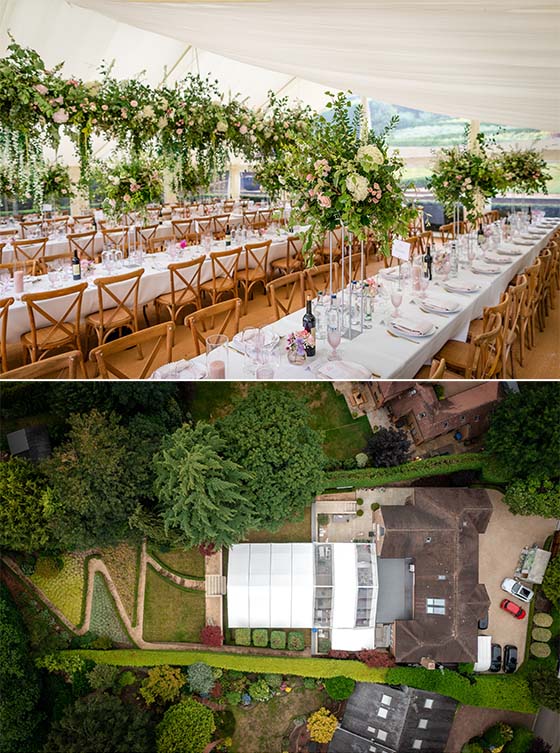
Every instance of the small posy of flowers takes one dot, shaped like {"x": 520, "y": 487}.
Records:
{"x": 87, "y": 267}
{"x": 299, "y": 342}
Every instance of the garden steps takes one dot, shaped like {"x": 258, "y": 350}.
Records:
{"x": 216, "y": 585}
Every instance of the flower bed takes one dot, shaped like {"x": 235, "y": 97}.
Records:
{"x": 65, "y": 588}
{"x": 105, "y": 620}
{"x": 122, "y": 562}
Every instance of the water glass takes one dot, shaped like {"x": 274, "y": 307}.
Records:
{"x": 334, "y": 334}
{"x": 396, "y": 298}
{"x": 217, "y": 356}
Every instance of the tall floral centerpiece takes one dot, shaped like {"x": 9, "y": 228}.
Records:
{"x": 341, "y": 173}
{"x": 524, "y": 170}
{"x": 56, "y": 183}
{"x": 467, "y": 175}
{"x": 130, "y": 185}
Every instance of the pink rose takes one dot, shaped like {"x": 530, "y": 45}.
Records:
{"x": 445, "y": 183}
{"x": 124, "y": 113}
{"x": 179, "y": 131}
{"x": 126, "y": 197}
{"x": 183, "y": 244}
{"x": 60, "y": 116}
{"x": 311, "y": 192}
{"x": 309, "y": 177}
{"x": 324, "y": 201}
{"x": 133, "y": 103}
{"x": 41, "y": 88}
{"x": 243, "y": 130}
{"x": 105, "y": 107}
{"x": 59, "y": 100}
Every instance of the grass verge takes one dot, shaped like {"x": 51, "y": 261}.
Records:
{"x": 188, "y": 563}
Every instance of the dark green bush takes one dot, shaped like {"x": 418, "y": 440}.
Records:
{"x": 233, "y": 698}
{"x": 520, "y": 742}
{"x": 340, "y": 688}
{"x": 278, "y": 639}
{"x": 359, "y": 512}
{"x": 260, "y": 637}
{"x": 242, "y": 637}
{"x": 296, "y": 641}
{"x": 273, "y": 681}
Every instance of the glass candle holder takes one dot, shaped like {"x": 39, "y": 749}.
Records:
{"x": 217, "y": 356}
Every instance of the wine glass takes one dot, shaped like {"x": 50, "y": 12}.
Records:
{"x": 251, "y": 343}
{"x": 396, "y": 299}
{"x": 471, "y": 254}
{"x": 423, "y": 284}
{"x": 333, "y": 333}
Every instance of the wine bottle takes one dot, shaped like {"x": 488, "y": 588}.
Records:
{"x": 453, "y": 260}
{"x": 228, "y": 236}
{"x": 309, "y": 324}
{"x": 480, "y": 235}
{"x": 76, "y": 269}
{"x": 428, "y": 261}
{"x": 530, "y": 213}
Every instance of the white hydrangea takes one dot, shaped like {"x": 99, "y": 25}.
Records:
{"x": 358, "y": 186}
{"x": 221, "y": 126}
{"x": 369, "y": 156}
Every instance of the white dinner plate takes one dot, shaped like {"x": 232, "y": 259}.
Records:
{"x": 396, "y": 330}
{"x": 182, "y": 370}
{"x": 509, "y": 252}
{"x": 457, "y": 287}
{"x": 270, "y": 339}
{"x": 488, "y": 270}
{"x": 437, "y": 308}
{"x": 491, "y": 259}
{"x": 338, "y": 371}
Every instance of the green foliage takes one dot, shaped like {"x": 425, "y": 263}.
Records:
{"x": 542, "y": 619}
{"x": 105, "y": 620}
{"x": 521, "y": 741}
{"x": 199, "y": 489}
{"x": 359, "y": 512}
{"x": 162, "y": 685}
{"x": 551, "y": 584}
{"x": 259, "y": 691}
{"x": 69, "y": 663}
{"x": 277, "y": 639}
{"x": 534, "y": 496}
{"x": 260, "y": 637}
{"x": 100, "y": 722}
{"x": 472, "y": 747}
{"x": 273, "y": 681}
{"x": 19, "y": 682}
{"x": 296, "y": 641}
{"x": 186, "y": 727}
{"x": 310, "y": 683}
{"x": 243, "y": 636}
{"x": 201, "y": 678}
{"x": 497, "y": 735}
{"x": 524, "y": 432}
{"x": 25, "y": 506}
{"x": 340, "y": 688}
{"x": 545, "y": 688}
{"x": 233, "y": 698}
{"x": 359, "y": 501}
{"x": 126, "y": 678}
{"x": 268, "y": 432}
{"x": 362, "y": 459}
{"x": 540, "y": 650}
{"x": 94, "y": 479}
{"x": 541, "y": 634}
{"x": 103, "y": 677}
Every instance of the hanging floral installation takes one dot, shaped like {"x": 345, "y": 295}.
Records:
{"x": 525, "y": 170}
{"x": 341, "y": 173}
{"x": 129, "y": 184}
{"x": 55, "y": 183}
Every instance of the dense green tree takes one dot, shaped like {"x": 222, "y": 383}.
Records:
{"x": 524, "y": 433}
{"x": 98, "y": 723}
{"x": 19, "y": 681}
{"x": 199, "y": 490}
{"x": 534, "y": 496}
{"x": 186, "y": 727}
{"x": 545, "y": 688}
{"x": 95, "y": 478}
{"x": 162, "y": 685}
{"x": 103, "y": 677}
{"x": 340, "y": 688}
{"x": 268, "y": 432}
{"x": 149, "y": 524}
{"x": 25, "y": 506}
{"x": 551, "y": 581}
{"x": 201, "y": 678}
{"x": 521, "y": 742}
{"x": 388, "y": 447}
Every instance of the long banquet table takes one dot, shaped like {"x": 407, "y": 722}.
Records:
{"x": 383, "y": 355}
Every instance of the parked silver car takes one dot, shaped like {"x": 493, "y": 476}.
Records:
{"x": 517, "y": 589}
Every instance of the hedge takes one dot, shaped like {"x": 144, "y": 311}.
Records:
{"x": 260, "y": 637}
{"x": 278, "y": 639}
{"x": 510, "y": 693}
{"x": 296, "y": 641}
{"x": 242, "y": 637}
{"x": 300, "y": 666}
{"x": 366, "y": 477}
{"x": 541, "y": 634}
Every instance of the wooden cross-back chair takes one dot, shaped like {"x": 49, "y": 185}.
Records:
{"x": 57, "y": 260}
{"x": 118, "y": 305}
{"x": 419, "y": 243}
{"x": 448, "y": 231}
{"x": 31, "y": 227}
{"x": 56, "y": 224}
{"x": 184, "y": 281}
{"x": 204, "y": 224}
{"x": 49, "y": 331}
{"x": 256, "y": 267}
{"x": 203, "y": 322}
{"x": 83, "y": 244}
{"x": 160, "y": 336}
{"x": 264, "y": 217}
{"x": 116, "y": 237}
{"x": 61, "y": 366}
{"x": 541, "y": 308}
{"x": 287, "y": 294}
{"x": 30, "y": 267}
{"x": 228, "y": 205}
{"x": 5, "y": 304}
{"x": 30, "y": 249}
{"x": 182, "y": 230}
{"x": 527, "y": 313}
{"x": 250, "y": 219}
{"x": 219, "y": 225}
{"x": 225, "y": 266}
{"x": 319, "y": 278}
{"x": 7, "y": 232}
{"x": 512, "y": 322}
{"x": 293, "y": 260}
{"x": 145, "y": 237}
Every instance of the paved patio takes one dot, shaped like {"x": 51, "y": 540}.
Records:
{"x": 500, "y": 548}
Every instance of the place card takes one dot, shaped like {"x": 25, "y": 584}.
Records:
{"x": 401, "y": 250}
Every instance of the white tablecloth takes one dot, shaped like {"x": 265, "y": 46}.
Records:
{"x": 387, "y": 357}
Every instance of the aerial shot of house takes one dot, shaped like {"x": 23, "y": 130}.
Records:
{"x": 354, "y": 567}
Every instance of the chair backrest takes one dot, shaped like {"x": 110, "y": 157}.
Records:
{"x": 437, "y": 369}
{"x": 83, "y": 217}
{"x": 517, "y": 295}
{"x": 319, "y": 278}
{"x": 29, "y": 227}
{"x": 448, "y": 231}
{"x": 546, "y": 260}
{"x": 161, "y": 334}
{"x": 56, "y": 259}
{"x": 416, "y": 226}
{"x": 117, "y": 237}
{"x": 250, "y": 219}
{"x": 118, "y": 296}
{"x": 182, "y": 229}
{"x": 230, "y": 310}
{"x": 293, "y": 249}
{"x": 145, "y": 235}
{"x": 220, "y": 223}
{"x": 185, "y": 278}
{"x": 228, "y": 205}
{"x": 419, "y": 243}
{"x": 256, "y": 258}
{"x": 5, "y": 304}
{"x": 204, "y": 224}
{"x": 68, "y": 365}
{"x": 225, "y": 264}
{"x": 67, "y": 324}
{"x": 58, "y": 224}
{"x": 488, "y": 350}
{"x": 292, "y": 286}
{"x": 83, "y": 244}
{"x": 532, "y": 274}
{"x": 31, "y": 267}
{"x": 501, "y": 308}
{"x": 7, "y": 232}
{"x": 265, "y": 216}
{"x": 33, "y": 248}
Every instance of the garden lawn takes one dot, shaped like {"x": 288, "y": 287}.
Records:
{"x": 172, "y": 613}
{"x": 122, "y": 562}
{"x": 105, "y": 619}
{"x": 66, "y": 589}
{"x": 186, "y": 562}
{"x": 262, "y": 727}
{"x": 292, "y": 532}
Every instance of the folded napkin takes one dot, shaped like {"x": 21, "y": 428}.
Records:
{"x": 441, "y": 305}
{"x": 414, "y": 327}
{"x": 485, "y": 270}
{"x": 491, "y": 259}
{"x": 524, "y": 242}
{"x": 509, "y": 251}
{"x": 461, "y": 287}
{"x": 344, "y": 371}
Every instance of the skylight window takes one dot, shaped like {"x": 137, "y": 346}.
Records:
{"x": 435, "y": 606}
{"x": 381, "y": 734}
{"x": 382, "y": 713}
{"x": 423, "y": 724}
{"x": 417, "y": 744}
{"x": 386, "y": 699}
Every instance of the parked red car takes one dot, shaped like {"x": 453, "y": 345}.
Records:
{"x": 514, "y": 609}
